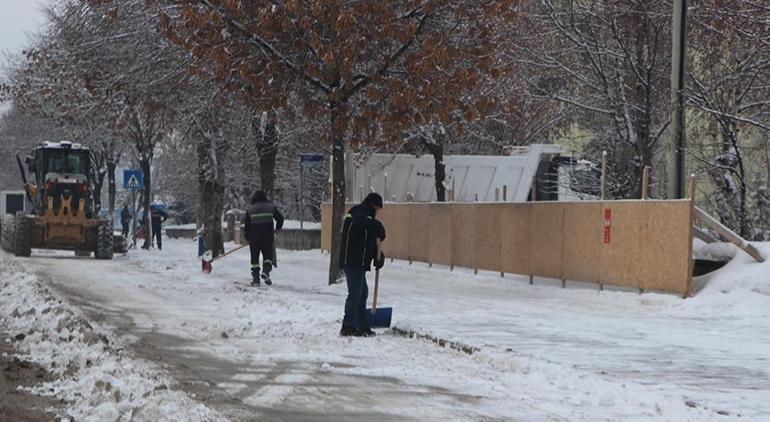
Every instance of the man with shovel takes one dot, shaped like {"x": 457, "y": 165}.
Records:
{"x": 362, "y": 235}
{"x": 260, "y": 234}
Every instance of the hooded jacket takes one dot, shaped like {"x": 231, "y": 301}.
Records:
{"x": 360, "y": 232}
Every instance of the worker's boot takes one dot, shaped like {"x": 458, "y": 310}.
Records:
{"x": 266, "y": 275}
{"x": 266, "y": 279}
{"x": 255, "y": 276}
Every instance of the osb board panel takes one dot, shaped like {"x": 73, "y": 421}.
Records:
{"x": 621, "y": 259}
{"x": 419, "y": 232}
{"x": 463, "y": 242}
{"x": 546, "y": 239}
{"x": 441, "y": 234}
{"x": 583, "y": 242}
{"x": 395, "y": 217}
{"x": 488, "y": 235}
{"x": 665, "y": 236}
{"x": 515, "y": 247}
{"x": 326, "y": 226}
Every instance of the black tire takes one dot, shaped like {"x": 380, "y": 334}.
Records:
{"x": 103, "y": 241}
{"x": 23, "y": 236}
{"x": 8, "y": 234}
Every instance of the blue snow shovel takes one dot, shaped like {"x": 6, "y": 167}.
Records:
{"x": 378, "y": 318}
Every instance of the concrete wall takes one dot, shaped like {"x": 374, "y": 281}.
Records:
{"x": 640, "y": 244}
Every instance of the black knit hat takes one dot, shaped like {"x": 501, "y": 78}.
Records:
{"x": 374, "y": 199}
{"x": 259, "y": 196}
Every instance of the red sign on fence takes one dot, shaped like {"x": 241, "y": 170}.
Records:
{"x": 607, "y": 225}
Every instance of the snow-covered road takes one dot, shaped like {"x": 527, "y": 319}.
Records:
{"x": 544, "y": 353}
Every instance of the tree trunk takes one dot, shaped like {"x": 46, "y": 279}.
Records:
{"x": 267, "y": 149}
{"x": 111, "y": 166}
{"x": 436, "y": 149}
{"x": 97, "y": 194}
{"x": 338, "y": 188}
{"x": 211, "y": 186}
{"x": 144, "y": 165}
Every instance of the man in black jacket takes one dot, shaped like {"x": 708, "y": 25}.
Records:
{"x": 361, "y": 238}
{"x": 260, "y": 232}
{"x": 125, "y": 220}
{"x": 157, "y": 217}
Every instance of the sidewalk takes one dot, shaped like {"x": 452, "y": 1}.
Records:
{"x": 526, "y": 352}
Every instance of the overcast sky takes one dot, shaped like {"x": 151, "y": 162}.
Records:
{"x": 18, "y": 18}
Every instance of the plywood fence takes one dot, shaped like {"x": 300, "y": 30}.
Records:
{"x": 645, "y": 244}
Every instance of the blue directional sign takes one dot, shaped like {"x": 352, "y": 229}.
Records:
{"x": 311, "y": 158}
{"x": 133, "y": 179}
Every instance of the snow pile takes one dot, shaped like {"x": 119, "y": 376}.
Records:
{"x": 721, "y": 251}
{"x": 739, "y": 289}
{"x": 95, "y": 377}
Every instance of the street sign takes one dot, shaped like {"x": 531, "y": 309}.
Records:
{"x": 133, "y": 179}
{"x": 310, "y": 158}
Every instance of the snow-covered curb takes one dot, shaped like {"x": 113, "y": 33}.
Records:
{"x": 95, "y": 377}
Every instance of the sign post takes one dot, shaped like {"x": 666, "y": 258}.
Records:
{"x": 133, "y": 180}
{"x": 304, "y": 160}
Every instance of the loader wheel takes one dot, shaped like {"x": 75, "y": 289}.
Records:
{"x": 8, "y": 234}
{"x": 104, "y": 241}
{"x": 23, "y": 236}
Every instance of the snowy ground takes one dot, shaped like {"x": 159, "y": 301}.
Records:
{"x": 539, "y": 352}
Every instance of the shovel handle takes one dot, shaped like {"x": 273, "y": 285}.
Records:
{"x": 229, "y": 252}
{"x": 376, "y": 290}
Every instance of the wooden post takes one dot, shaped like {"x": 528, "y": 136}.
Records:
{"x": 497, "y": 194}
{"x": 453, "y": 190}
{"x": 477, "y": 197}
{"x": 531, "y": 279}
{"x": 604, "y": 175}
{"x": 563, "y": 283}
{"x": 691, "y": 188}
{"x": 646, "y": 182}
{"x": 505, "y": 193}
{"x": 385, "y": 188}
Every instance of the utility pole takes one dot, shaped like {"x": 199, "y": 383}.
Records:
{"x": 675, "y": 152}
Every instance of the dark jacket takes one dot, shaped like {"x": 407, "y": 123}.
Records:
{"x": 157, "y": 216}
{"x": 258, "y": 222}
{"x": 359, "y": 238}
{"x": 125, "y": 216}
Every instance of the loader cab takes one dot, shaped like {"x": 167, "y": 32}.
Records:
{"x": 61, "y": 169}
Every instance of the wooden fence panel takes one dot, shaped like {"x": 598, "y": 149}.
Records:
{"x": 546, "y": 228}
{"x": 395, "y": 217}
{"x": 441, "y": 234}
{"x": 620, "y": 260}
{"x": 583, "y": 242}
{"x": 515, "y": 247}
{"x": 646, "y": 245}
{"x": 464, "y": 240}
{"x": 419, "y": 232}
{"x": 662, "y": 264}
{"x": 488, "y": 236}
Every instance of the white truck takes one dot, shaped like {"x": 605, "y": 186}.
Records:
{"x": 469, "y": 178}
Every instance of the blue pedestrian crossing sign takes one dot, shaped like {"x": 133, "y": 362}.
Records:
{"x": 133, "y": 179}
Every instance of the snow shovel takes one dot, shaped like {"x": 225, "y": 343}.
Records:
{"x": 207, "y": 262}
{"x": 378, "y": 318}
